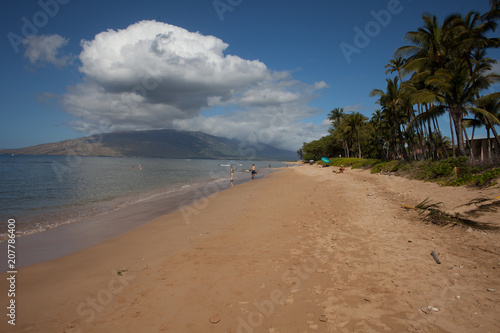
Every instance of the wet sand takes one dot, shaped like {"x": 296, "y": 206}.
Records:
{"x": 70, "y": 238}
{"x": 303, "y": 250}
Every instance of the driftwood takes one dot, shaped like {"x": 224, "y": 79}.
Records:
{"x": 435, "y": 256}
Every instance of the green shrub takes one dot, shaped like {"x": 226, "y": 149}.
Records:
{"x": 392, "y": 166}
{"x": 354, "y": 162}
{"x": 378, "y": 167}
{"x": 364, "y": 163}
{"x": 486, "y": 178}
{"x": 442, "y": 169}
{"x": 308, "y": 157}
{"x": 443, "y": 172}
{"x": 438, "y": 170}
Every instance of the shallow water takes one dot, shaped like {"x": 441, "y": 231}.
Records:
{"x": 43, "y": 192}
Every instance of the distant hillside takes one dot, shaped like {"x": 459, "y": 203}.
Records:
{"x": 157, "y": 143}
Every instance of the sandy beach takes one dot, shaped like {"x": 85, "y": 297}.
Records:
{"x": 302, "y": 250}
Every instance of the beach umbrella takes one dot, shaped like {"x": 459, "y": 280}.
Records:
{"x": 326, "y": 160}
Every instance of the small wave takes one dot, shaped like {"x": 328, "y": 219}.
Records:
{"x": 36, "y": 228}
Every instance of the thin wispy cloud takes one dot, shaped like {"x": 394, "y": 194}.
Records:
{"x": 45, "y": 49}
{"x": 354, "y": 108}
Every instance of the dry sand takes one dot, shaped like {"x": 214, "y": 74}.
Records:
{"x": 303, "y": 250}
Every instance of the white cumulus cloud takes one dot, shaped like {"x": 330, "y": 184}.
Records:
{"x": 155, "y": 75}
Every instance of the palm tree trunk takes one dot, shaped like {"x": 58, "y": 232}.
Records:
{"x": 456, "y": 114}
{"x": 452, "y": 136}
{"x": 402, "y": 142}
{"x": 445, "y": 152}
{"x": 472, "y": 141}
{"x": 497, "y": 139}
{"x": 432, "y": 149}
{"x": 359, "y": 144}
{"x": 422, "y": 144}
{"x": 467, "y": 140}
{"x": 425, "y": 137}
{"x": 431, "y": 141}
{"x": 346, "y": 148}
{"x": 489, "y": 142}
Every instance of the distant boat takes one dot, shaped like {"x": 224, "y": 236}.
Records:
{"x": 12, "y": 155}
{"x": 224, "y": 164}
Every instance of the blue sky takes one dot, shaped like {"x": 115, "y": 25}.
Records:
{"x": 261, "y": 71}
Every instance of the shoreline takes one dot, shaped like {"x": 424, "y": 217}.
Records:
{"x": 95, "y": 187}
{"x": 69, "y": 238}
{"x": 301, "y": 250}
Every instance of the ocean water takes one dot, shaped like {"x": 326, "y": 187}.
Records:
{"x": 43, "y": 192}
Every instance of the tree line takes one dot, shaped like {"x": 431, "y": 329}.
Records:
{"x": 444, "y": 71}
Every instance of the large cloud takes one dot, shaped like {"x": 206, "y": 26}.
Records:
{"x": 155, "y": 75}
{"x": 279, "y": 125}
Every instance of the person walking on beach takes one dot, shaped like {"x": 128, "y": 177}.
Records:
{"x": 232, "y": 172}
{"x": 254, "y": 171}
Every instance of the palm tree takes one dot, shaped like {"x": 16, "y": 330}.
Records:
{"x": 396, "y": 65}
{"x": 443, "y": 142}
{"x": 487, "y": 111}
{"x": 392, "y": 100}
{"x": 494, "y": 12}
{"x": 454, "y": 88}
{"x": 470, "y": 40}
{"x": 431, "y": 45}
{"x": 355, "y": 122}
{"x": 343, "y": 133}
{"x": 381, "y": 130}
{"x": 336, "y": 116}
{"x": 442, "y": 59}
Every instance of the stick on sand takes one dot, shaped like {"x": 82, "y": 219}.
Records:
{"x": 434, "y": 255}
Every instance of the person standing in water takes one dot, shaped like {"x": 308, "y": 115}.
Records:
{"x": 254, "y": 171}
{"x": 232, "y": 172}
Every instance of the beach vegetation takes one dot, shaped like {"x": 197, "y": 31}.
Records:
{"x": 442, "y": 74}
{"x": 354, "y": 162}
{"x": 449, "y": 172}
{"x": 386, "y": 166}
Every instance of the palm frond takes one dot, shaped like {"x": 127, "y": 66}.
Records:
{"x": 486, "y": 114}
{"x": 427, "y": 205}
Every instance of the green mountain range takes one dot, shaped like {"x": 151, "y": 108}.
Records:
{"x": 165, "y": 143}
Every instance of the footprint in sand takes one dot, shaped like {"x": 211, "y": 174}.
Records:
{"x": 215, "y": 318}
{"x": 164, "y": 327}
